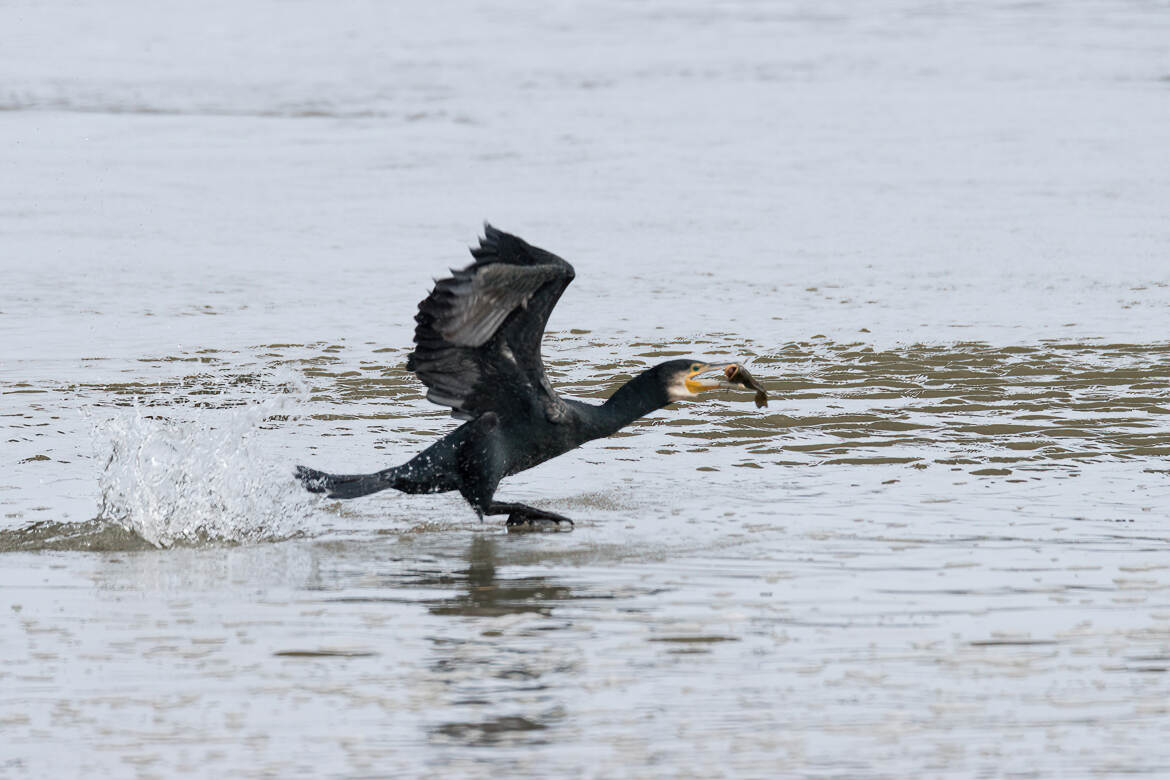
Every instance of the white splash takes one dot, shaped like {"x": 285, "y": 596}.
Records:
{"x": 182, "y": 475}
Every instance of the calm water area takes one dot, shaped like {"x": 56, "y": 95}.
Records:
{"x": 938, "y": 233}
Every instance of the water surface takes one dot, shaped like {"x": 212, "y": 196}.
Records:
{"x": 937, "y": 235}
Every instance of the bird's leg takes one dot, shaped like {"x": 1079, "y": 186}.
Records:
{"x": 522, "y": 514}
{"x": 480, "y": 469}
{"x": 477, "y": 461}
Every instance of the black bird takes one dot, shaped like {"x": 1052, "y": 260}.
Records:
{"x": 477, "y": 349}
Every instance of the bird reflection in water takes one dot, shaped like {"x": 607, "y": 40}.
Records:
{"x": 487, "y": 596}
{"x": 501, "y": 671}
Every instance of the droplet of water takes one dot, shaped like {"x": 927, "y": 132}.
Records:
{"x": 182, "y": 475}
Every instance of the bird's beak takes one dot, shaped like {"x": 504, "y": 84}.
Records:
{"x": 711, "y": 376}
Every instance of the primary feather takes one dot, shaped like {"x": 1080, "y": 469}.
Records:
{"x": 481, "y": 329}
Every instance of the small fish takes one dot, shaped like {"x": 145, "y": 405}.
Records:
{"x": 739, "y": 375}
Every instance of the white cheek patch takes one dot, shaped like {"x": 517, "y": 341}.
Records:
{"x": 677, "y": 391}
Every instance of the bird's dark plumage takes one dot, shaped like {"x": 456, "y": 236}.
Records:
{"x": 480, "y": 330}
{"x": 477, "y": 350}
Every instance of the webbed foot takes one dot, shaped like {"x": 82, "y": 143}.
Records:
{"x": 522, "y": 517}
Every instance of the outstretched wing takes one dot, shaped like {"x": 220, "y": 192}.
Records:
{"x": 477, "y": 343}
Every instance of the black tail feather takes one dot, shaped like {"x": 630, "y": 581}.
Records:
{"x": 341, "y": 485}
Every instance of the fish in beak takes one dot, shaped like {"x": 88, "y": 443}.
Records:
{"x": 724, "y": 376}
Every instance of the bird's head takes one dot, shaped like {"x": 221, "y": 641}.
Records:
{"x": 685, "y": 379}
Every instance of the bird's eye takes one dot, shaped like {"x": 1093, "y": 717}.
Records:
{"x": 695, "y": 367}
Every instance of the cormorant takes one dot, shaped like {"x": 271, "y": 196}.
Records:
{"x": 477, "y": 349}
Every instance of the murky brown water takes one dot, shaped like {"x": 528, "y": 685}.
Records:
{"x": 924, "y": 556}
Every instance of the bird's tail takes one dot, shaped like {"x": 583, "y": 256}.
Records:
{"x": 342, "y": 485}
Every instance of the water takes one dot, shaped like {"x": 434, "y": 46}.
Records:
{"x": 937, "y": 234}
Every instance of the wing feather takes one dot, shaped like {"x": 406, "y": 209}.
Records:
{"x": 477, "y": 343}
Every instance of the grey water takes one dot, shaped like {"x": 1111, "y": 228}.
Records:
{"x": 936, "y": 233}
